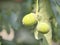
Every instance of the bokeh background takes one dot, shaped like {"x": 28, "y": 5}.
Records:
{"x": 11, "y": 14}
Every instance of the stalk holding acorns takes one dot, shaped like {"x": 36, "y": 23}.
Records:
{"x": 44, "y": 15}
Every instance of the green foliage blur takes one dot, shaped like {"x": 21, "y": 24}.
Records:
{"x": 12, "y": 12}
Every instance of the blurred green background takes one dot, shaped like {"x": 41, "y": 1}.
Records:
{"x": 12, "y": 12}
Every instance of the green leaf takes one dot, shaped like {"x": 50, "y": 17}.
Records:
{"x": 13, "y": 21}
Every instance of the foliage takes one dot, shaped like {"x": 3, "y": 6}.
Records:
{"x": 11, "y": 14}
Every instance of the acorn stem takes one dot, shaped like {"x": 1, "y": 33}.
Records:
{"x": 36, "y": 7}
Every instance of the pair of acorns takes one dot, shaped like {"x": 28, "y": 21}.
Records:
{"x": 30, "y": 19}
